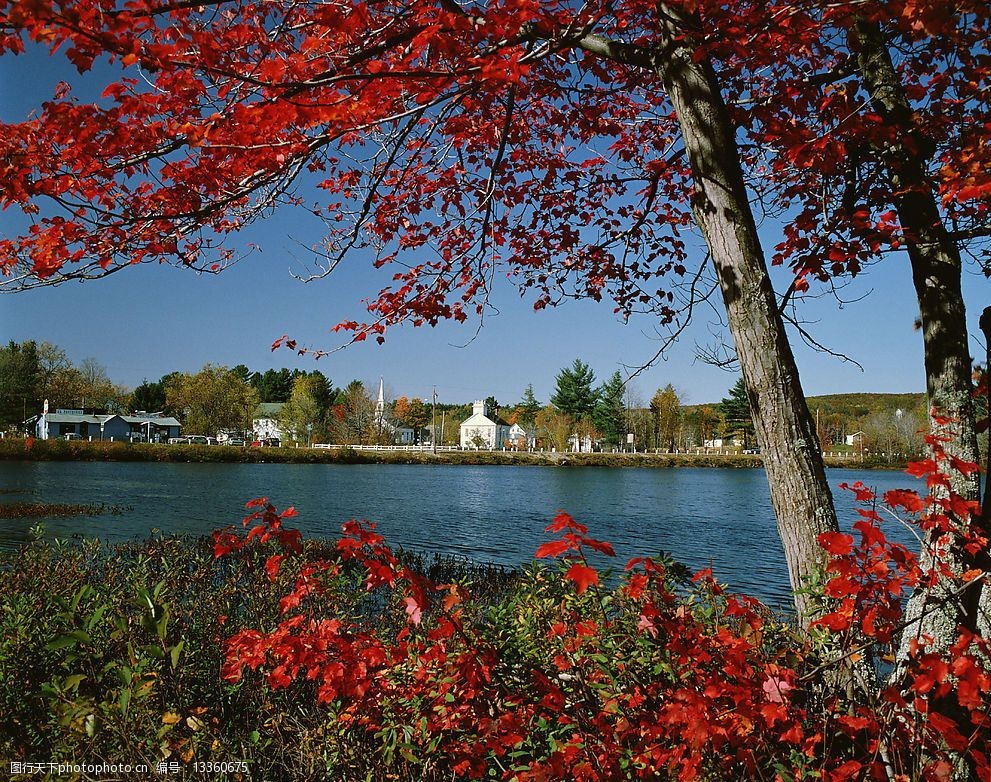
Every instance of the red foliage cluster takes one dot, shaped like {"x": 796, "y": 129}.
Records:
{"x": 635, "y": 680}
{"x": 502, "y": 135}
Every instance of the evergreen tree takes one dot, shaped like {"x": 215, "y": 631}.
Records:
{"x": 242, "y": 372}
{"x": 149, "y": 397}
{"x": 574, "y": 395}
{"x": 736, "y": 410}
{"x": 274, "y": 385}
{"x": 528, "y": 408}
{"x": 20, "y": 382}
{"x": 323, "y": 392}
{"x": 610, "y": 410}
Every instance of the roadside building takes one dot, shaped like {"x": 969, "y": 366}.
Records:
{"x": 78, "y": 424}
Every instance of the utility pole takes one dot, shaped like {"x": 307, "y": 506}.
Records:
{"x": 433, "y": 422}
{"x": 443, "y": 421}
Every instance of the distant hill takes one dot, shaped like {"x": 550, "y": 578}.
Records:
{"x": 854, "y": 406}
{"x": 887, "y": 423}
{"x": 865, "y": 405}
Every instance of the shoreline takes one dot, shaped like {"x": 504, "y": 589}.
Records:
{"x": 62, "y": 450}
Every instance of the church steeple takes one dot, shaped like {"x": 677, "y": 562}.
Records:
{"x": 380, "y": 404}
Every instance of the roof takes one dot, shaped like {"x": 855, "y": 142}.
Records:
{"x": 75, "y": 418}
{"x": 80, "y": 418}
{"x": 157, "y": 420}
{"x": 268, "y": 409}
{"x": 483, "y": 420}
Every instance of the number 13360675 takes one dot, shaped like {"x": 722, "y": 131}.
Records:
{"x": 226, "y": 767}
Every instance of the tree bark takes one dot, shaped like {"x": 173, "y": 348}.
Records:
{"x": 936, "y": 273}
{"x": 803, "y": 504}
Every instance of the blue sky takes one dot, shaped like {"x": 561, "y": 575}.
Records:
{"x": 147, "y": 321}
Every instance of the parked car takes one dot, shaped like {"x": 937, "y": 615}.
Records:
{"x": 268, "y": 442}
{"x": 72, "y": 436}
{"x": 198, "y": 439}
{"x": 178, "y": 440}
{"x": 239, "y": 443}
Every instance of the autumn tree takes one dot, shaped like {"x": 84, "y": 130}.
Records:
{"x": 703, "y": 420}
{"x": 400, "y": 410}
{"x": 554, "y": 427}
{"x": 665, "y": 409}
{"x": 889, "y": 155}
{"x": 353, "y": 420}
{"x": 492, "y": 84}
{"x": 212, "y": 400}
{"x": 301, "y": 415}
{"x": 418, "y": 416}
{"x": 96, "y": 389}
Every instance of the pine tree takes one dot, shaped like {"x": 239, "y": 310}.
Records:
{"x": 528, "y": 408}
{"x": 574, "y": 395}
{"x": 736, "y": 409}
{"x": 610, "y": 411}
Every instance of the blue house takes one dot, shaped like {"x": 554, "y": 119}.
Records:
{"x": 75, "y": 424}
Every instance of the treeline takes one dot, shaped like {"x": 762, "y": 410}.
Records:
{"x": 31, "y": 372}
{"x": 579, "y": 413}
{"x": 612, "y": 414}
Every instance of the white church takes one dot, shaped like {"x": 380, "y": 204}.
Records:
{"x": 484, "y": 429}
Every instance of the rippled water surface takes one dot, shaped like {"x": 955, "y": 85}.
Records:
{"x": 487, "y": 513}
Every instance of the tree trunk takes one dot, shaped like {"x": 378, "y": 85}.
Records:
{"x": 936, "y": 270}
{"x": 800, "y": 494}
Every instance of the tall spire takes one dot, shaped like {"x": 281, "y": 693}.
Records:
{"x": 380, "y": 403}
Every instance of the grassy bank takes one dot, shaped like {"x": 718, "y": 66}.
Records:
{"x": 62, "y": 450}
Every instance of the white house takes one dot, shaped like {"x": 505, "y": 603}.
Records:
{"x": 522, "y": 438}
{"x": 265, "y": 421}
{"x": 855, "y": 439}
{"x": 483, "y": 431}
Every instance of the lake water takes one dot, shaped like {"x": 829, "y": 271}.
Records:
{"x": 486, "y": 513}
